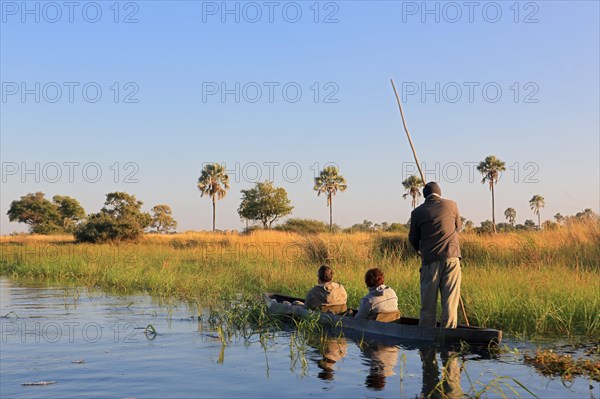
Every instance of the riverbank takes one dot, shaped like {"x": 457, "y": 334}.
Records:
{"x": 527, "y": 284}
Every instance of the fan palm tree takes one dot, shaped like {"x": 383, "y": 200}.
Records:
{"x": 511, "y": 215}
{"x": 536, "y": 203}
{"x": 329, "y": 182}
{"x": 412, "y": 185}
{"x": 213, "y": 182}
{"x": 490, "y": 168}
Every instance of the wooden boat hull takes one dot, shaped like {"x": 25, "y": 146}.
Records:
{"x": 405, "y": 328}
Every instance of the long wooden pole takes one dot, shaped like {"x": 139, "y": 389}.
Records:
{"x": 412, "y": 147}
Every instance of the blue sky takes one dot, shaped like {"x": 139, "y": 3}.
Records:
{"x": 533, "y": 69}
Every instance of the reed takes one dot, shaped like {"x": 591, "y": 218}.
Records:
{"x": 531, "y": 283}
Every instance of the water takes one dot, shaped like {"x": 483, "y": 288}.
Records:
{"x": 93, "y": 345}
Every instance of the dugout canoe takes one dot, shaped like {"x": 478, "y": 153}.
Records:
{"x": 404, "y": 328}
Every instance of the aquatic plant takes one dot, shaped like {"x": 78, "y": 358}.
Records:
{"x": 533, "y": 283}
{"x": 549, "y": 363}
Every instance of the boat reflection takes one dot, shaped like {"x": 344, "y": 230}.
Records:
{"x": 381, "y": 356}
{"x": 381, "y": 360}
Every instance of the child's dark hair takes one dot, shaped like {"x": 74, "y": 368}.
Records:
{"x": 374, "y": 278}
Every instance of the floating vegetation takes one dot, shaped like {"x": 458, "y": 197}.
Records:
{"x": 552, "y": 364}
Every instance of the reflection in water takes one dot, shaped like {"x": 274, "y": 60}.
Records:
{"x": 50, "y": 342}
{"x": 383, "y": 359}
{"x": 449, "y": 386}
{"x": 332, "y": 350}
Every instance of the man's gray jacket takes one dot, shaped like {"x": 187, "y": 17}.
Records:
{"x": 434, "y": 227}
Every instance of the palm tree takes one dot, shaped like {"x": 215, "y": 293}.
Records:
{"x": 536, "y": 203}
{"x": 213, "y": 182}
{"x": 490, "y": 168}
{"x": 511, "y": 215}
{"x": 412, "y": 185}
{"x": 329, "y": 182}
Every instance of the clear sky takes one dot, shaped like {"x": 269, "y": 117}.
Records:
{"x": 279, "y": 89}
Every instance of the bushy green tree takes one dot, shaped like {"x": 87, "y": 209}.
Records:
{"x": 365, "y": 226}
{"x": 46, "y": 217}
{"x": 549, "y": 225}
{"x": 121, "y": 219}
{"x": 559, "y": 218}
{"x": 162, "y": 219}
{"x": 586, "y": 214}
{"x": 397, "y": 228}
{"x": 504, "y": 227}
{"x": 487, "y": 226}
{"x": 305, "y": 226}
{"x": 264, "y": 203}
{"x": 529, "y": 224}
{"x": 468, "y": 225}
{"x": 70, "y": 212}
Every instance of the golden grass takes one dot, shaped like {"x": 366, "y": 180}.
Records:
{"x": 529, "y": 283}
{"x": 36, "y": 238}
{"x": 578, "y": 233}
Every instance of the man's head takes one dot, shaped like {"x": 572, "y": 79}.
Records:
{"x": 374, "y": 278}
{"x": 431, "y": 188}
{"x": 325, "y": 274}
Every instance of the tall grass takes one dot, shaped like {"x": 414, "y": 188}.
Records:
{"x": 533, "y": 283}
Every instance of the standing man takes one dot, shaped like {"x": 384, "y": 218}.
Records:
{"x": 434, "y": 227}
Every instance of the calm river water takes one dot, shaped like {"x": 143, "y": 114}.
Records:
{"x": 90, "y": 344}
